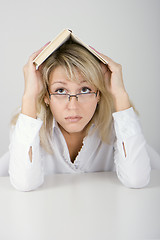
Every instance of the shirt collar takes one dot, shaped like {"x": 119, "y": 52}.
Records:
{"x": 55, "y": 124}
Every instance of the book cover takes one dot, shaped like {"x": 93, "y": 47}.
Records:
{"x": 65, "y": 35}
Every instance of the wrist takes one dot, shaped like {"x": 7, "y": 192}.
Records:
{"x": 29, "y": 106}
{"x": 29, "y": 96}
{"x": 121, "y": 101}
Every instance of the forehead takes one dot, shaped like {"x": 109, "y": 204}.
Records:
{"x": 59, "y": 74}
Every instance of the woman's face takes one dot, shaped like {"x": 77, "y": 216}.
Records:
{"x": 73, "y": 116}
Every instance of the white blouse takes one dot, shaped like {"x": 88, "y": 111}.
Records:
{"x": 127, "y": 155}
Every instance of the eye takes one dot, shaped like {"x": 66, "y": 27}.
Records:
{"x": 85, "y": 90}
{"x": 60, "y": 91}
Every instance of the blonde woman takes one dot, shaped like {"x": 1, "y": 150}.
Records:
{"x": 76, "y": 117}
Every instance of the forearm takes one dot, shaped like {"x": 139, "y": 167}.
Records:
{"x": 29, "y": 107}
{"x": 24, "y": 174}
{"x": 121, "y": 101}
{"x": 133, "y": 164}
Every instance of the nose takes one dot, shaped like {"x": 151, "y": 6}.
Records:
{"x": 72, "y": 102}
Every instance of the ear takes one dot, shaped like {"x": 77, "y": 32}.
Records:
{"x": 98, "y": 97}
{"x": 46, "y": 100}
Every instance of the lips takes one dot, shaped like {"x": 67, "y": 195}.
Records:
{"x": 73, "y": 118}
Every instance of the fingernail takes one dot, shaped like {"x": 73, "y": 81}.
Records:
{"x": 94, "y": 49}
{"x": 91, "y": 47}
{"x": 47, "y": 43}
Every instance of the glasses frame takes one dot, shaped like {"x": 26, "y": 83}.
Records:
{"x": 69, "y": 95}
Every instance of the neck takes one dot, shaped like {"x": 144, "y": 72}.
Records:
{"x": 73, "y": 136}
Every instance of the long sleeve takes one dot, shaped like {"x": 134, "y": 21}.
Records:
{"x": 131, "y": 157}
{"x": 24, "y": 174}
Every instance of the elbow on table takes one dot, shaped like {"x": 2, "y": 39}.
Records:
{"x": 136, "y": 181}
{"x": 25, "y": 185}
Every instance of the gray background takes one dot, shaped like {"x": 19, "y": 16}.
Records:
{"x": 128, "y": 31}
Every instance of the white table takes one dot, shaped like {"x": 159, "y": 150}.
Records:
{"x": 94, "y": 206}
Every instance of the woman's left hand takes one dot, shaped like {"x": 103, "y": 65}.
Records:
{"x": 113, "y": 76}
{"x": 114, "y": 83}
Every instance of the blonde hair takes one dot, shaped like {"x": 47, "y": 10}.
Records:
{"x": 73, "y": 57}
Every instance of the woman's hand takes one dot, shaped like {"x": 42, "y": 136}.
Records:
{"x": 114, "y": 83}
{"x": 33, "y": 86}
{"x": 32, "y": 77}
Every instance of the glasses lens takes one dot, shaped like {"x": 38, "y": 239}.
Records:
{"x": 86, "y": 97}
{"x": 60, "y": 98}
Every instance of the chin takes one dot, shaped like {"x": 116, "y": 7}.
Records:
{"x": 73, "y": 129}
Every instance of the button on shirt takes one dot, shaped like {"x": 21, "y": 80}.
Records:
{"x": 127, "y": 155}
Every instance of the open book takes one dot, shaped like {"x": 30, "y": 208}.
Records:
{"x": 64, "y": 36}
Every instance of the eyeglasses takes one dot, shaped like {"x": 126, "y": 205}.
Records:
{"x": 80, "y": 97}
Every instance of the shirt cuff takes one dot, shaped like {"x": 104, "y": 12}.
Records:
{"x": 26, "y": 128}
{"x": 126, "y": 124}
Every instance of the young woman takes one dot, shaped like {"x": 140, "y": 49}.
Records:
{"x": 76, "y": 117}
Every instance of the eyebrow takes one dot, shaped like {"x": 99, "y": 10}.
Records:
{"x": 58, "y": 82}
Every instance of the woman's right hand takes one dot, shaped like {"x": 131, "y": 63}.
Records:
{"x": 32, "y": 77}
{"x": 33, "y": 86}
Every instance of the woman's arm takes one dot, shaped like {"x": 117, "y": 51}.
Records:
{"x": 25, "y": 168}
{"x": 131, "y": 156}
{"x": 26, "y": 175}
